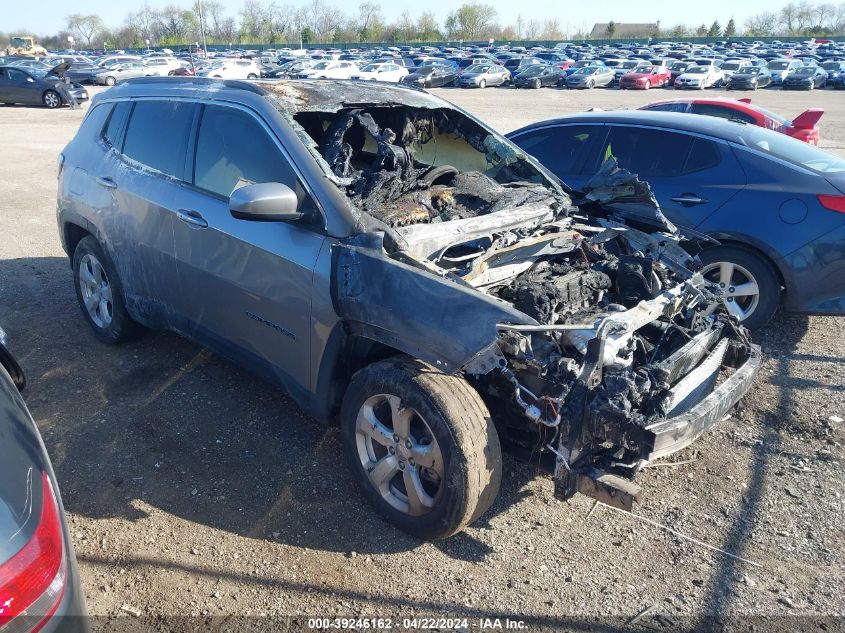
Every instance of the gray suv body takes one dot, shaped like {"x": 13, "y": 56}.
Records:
{"x": 401, "y": 268}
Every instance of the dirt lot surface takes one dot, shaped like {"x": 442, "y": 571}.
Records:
{"x": 195, "y": 489}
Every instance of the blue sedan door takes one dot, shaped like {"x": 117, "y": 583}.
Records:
{"x": 691, "y": 176}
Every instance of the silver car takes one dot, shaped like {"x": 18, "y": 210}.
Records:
{"x": 483, "y": 75}
{"x": 591, "y": 77}
{"x": 428, "y": 290}
{"x": 118, "y": 72}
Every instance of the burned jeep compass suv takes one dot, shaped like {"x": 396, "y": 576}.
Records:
{"x": 404, "y": 270}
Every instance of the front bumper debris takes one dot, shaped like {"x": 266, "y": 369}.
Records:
{"x": 698, "y": 408}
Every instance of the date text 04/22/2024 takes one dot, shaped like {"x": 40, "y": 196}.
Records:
{"x": 454, "y": 624}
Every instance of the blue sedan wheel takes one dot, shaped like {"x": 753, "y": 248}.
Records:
{"x": 749, "y": 285}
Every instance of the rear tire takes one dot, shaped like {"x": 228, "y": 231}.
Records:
{"x": 252, "y": 76}
{"x": 746, "y": 264}
{"x": 440, "y": 419}
{"x": 98, "y": 286}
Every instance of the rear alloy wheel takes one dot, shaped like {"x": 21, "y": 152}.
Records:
{"x": 750, "y": 287}
{"x": 421, "y": 446}
{"x": 99, "y": 293}
{"x": 51, "y": 99}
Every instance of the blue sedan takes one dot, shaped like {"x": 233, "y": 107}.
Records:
{"x": 776, "y": 205}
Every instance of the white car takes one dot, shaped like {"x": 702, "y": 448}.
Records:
{"x": 381, "y": 71}
{"x": 162, "y": 66}
{"x": 700, "y": 77}
{"x": 333, "y": 69}
{"x": 231, "y": 69}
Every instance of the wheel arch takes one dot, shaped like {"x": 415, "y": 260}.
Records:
{"x": 73, "y": 233}
{"x": 344, "y": 354}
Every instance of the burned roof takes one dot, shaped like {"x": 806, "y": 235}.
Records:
{"x": 331, "y": 95}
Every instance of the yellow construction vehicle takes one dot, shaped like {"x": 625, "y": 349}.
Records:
{"x": 25, "y": 47}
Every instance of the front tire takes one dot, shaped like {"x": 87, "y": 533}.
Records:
{"x": 750, "y": 286}
{"x": 51, "y": 99}
{"x": 100, "y": 294}
{"x": 110, "y": 81}
{"x": 421, "y": 446}
{"x": 482, "y": 83}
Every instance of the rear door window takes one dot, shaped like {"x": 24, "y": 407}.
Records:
{"x": 721, "y": 112}
{"x": 565, "y": 150}
{"x": 703, "y": 155}
{"x": 649, "y": 153}
{"x": 158, "y": 133}
{"x": 114, "y": 125}
{"x": 668, "y": 107}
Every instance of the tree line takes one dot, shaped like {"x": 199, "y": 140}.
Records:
{"x": 318, "y": 21}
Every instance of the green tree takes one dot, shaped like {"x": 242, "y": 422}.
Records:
{"x": 715, "y": 29}
{"x": 730, "y": 29}
{"x": 307, "y": 35}
{"x": 472, "y": 21}
{"x": 610, "y": 30}
{"x": 701, "y": 31}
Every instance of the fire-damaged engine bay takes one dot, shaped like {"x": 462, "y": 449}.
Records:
{"x": 578, "y": 316}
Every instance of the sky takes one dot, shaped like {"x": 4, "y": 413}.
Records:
{"x": 48, "y": 16}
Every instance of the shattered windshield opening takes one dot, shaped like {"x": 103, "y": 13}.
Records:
{"x": 405, "y": 165}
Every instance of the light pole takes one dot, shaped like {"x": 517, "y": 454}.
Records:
{"x": 202, "y": 29}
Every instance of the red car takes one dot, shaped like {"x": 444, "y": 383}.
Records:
{"x": 803, "y": 127}
{"x": 645, "y": 78}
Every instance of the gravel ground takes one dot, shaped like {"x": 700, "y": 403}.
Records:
{"x": 195, "y": 489}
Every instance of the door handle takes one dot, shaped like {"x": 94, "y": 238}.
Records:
{"x": 105, "y": 181}
{"x": 689, "y": 199}
{"x": 193, "y": 218}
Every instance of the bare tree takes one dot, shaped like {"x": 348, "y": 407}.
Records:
{"x": 532, "y": 29}
{"x": 551, "y": 29}
{"x": 84, "y": 27}
{"x": 406, "y": 27}
{"x": 428, "y": 28}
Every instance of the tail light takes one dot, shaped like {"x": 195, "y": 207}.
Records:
{"x": 834, "y": 203}
{"x": 32, "y": 582}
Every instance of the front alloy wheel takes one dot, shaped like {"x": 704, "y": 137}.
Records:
{"x": 52, "y": 99}
{"x": 399, "y": 453}
{"x": 421, "y": 445}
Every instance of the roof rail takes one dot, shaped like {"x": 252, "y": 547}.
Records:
{"x": 181, "y": 80}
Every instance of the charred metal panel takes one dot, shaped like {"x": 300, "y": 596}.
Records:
{"x": 610, "y": 489}
{"x": 438, "y": 320}
{"x": 673, "y": 434}
{"x": 687, "y": 357}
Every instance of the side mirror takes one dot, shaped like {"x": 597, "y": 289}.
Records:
{"x": 265, "y": 202}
